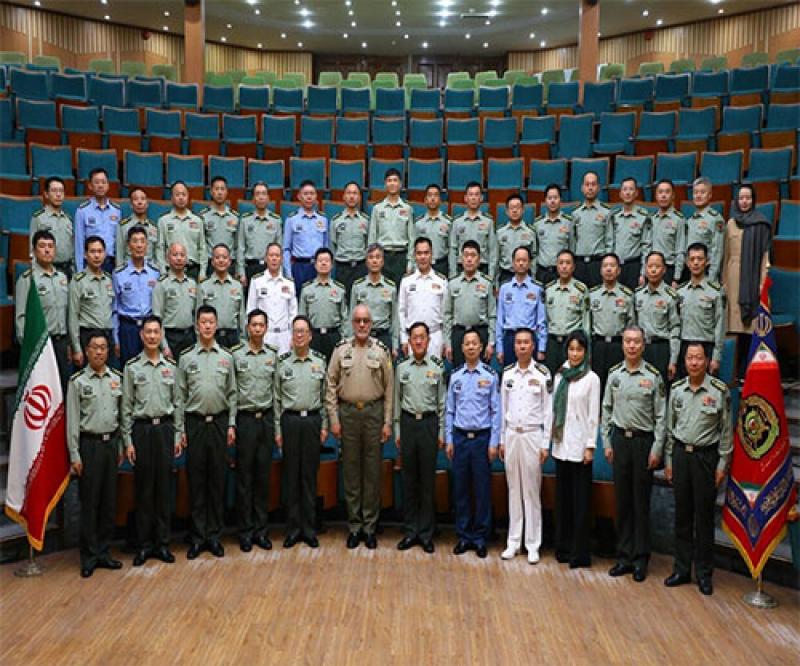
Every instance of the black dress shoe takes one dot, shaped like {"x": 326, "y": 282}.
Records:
{"x": 291, "y": 540}
{"x": 481, "y": 551}
{"x": 675, "y": 579}
{"x": 407, "y": 542}
{"x": 194, "y": 551}
{"x": 216, "y": 549}
{"x": 705, "y": 586}
{"x": 371, "y": 541}
{"x": 109, "y": 563}
{"x": 246, "y": 545}
{"x": 165, "y": 555}
{"x": 640, "y": 574}
{"x": 428, "y": 547}
{"x": 86, "y": 572}
{"x": 263, "y": 541}
{"x": 580, "y": 563}
{"x": 353, "y": 539}
{"x": 311, "y": 542}
{"x": 461, "y": 547}
{"x": 140, "y": 558}
{"x": 620, "y": 569}
{"x": 562, "y": 558}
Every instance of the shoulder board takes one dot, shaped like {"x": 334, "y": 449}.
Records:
{"x": 537, "y": 283}
{"x": 337, "y": 216}
{"x": 719, "y": 384}
{"x": 508, "y": 367}
{"x": 341, "y": 342}
{"x": 596, "y": 287}
{"x": 121, "y": 268}
{"x": 679, "y": 214}
{"x": 133, "y": 360}
{"x": 125, "y": 220}
{"x": 116, "y": 372}
{"x": 651, "y": 368}
{"x": 671, "y": 291}
{"x": 312, "y": 352}
{"x": 638, "y": 289}
{"x": 84, "y": 204}
{"x": 307, "y": 283}
{"x": 284, "y": 356}
{"x": 235, "y": 347}
{"x": 437, "y": 361}
{"x": 171, "y": 361}
{"x": 390, "y": 282}
{"x": 380, "y": 345}
{"x": 441, "y": 275}
{"x": 567, "y": 216}
{"x": 683, "y": 285}
{"x": 713, "y": 212}
{"x": 643, "y": 211}
{"x": 115, "y": 205}
{"x": 488, "y": 368}
{"x": 447, "y": 217}
{"x": 680, "y": 382}
{"x": 541, "y": 367}
{"x": 79, "y": 276}
{"x": 77, "y": 374}
{"x": 151, "y": 265}
{"x": 626, "y": 290}
{"x": 550, "y": 284}
{"x": 257, "y": 275}
{"x": 481, "y": 274}
{"x": 602, "y": 205}
{"x": 338, "y": 284}
{"x": 580, "y": 286}
{"x": 360, "y": 280}
{"x": 539, "y": 217}
{"x": 714, "y": 285}
{"x": 38, "y": 212}
{"x": 203, "y": 210}
{"x": 616, "y": 367}
{"x": 163, "y": 277}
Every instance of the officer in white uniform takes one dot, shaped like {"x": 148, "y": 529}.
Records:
{"x": 275, "y": 294}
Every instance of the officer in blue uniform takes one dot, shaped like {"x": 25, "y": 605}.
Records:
{"x": 98, "y": 216}
{"x": 304, "y": 233}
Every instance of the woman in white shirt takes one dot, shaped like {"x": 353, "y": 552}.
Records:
{"x": 576, "y": 414}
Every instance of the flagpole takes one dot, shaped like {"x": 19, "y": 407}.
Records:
{"x": 759, "y": 598}
{"x": 30, "y": 568}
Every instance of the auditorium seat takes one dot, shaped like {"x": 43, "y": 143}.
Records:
{"x": 390, "y": 103}
{"x": 239, "y": 135}
{"x": 543, "y": 173}
{"x": 527, "y": 100}
{"x": 651, "y": 69}
{"x": 68, "y": 88}
{"x": 537, "y": 138}
{"x": 377, "y": 171}
{"x": 505, "y": 176}
{"x": 460, "y": 173}
{"x": 168, "y": 72}
{"x": 724, "y": 169}
{"x": 322, "y": 100}
{"x": 233, "y": 170}
{"x": 342, "y": 172}
{"x": 329, "y": 79}
{"x": 562, "y": 98}
{"x": 696, "y": 127}
{"x": 352, "y": 138}
{"x": 671, "y": 92}
{"x": 786, "y": 85}
{"x": 639, "y": 168}
{"x": 656, "y": 131}
{"x": 191, "y": 170}
{"x": 611, "y": 71}
{"x": 163, "y": 131}
{"x": 218, "y": 99}
{"x": 38, "y": 122}
{"x": 47, "y": 161}
{"x": 710, "y": 89}
{"x": 388, "y": 138}
{"x": 579, "y": 167}
{"x": 144, "y": 95}
{"x": 789, "y": 223}
{"x": 769, "y": 172}
{"x": 682, "y": 66}
{"x": 355, "y": 100}
{"x": 102, "y": 66}
{"x": 202, "y": 134}
{"x": 462, "y": 138}
{"x": 14, "y": 175}
{"x": 30, "y": 85}
{"x": 278, "y": 137}
{"x": 7, "y": 120}
{"x": 755, "y": 59}
{"x": 307, "y": 168}
{"x": 740, "y": 129}
{"x": 181, "y": 95}
{"x": 424, "y": 103}
{"x": 422, "y": 173}
{"x": 616, "y": 134}
{"x": 425, "y": 138}
{"x": 499, "y": 137}
{"x": 458, "y": 103}
{"x": 575, "y": 136}
{"x": 81, "y": 124}
{"x": 270, "y": 172}
{"x": 122, "y": 130}
{"x": 599, "y": 97}
{"x": 493, "y": 101}
{"x": 145, "y": 170}
{"x": 88, "y": 159}
{"x": 316, "y": 136}
{"x": 748, "y": 85}
{"x": 107, "y": 92}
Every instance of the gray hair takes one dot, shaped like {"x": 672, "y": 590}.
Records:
{"x": 702, "y": 180}
{"x": 633, "y": 328}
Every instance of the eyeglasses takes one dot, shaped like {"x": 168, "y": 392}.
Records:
{"x": 362, "y": 320}
{"x": 98, "y": 347}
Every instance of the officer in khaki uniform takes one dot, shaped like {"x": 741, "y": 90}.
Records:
{"x": 255, "y": 364}
{"x": 226, "y": 295}
{"x": 391, "y": 225}
{"x": 181, "y": 225}
{"x": 54, "y": 219}
{"x": 517, "y": 233}
{"x": 669, "y": 231}
{"x": 554, "y": 232}
{"x": 348, "y": 238}
{"x": 359, "y": 403}
{"x": 151, "y": 434}
{"x": 257, "y": 229}
{"x": 630, "y": 232}
{"x": 138, "y": 218}
{"x": 95, "y": 451}
{"x": 590, "y": 229}
{"x": 379, "y": 294}
{"x": 420, "y": 394}
{"x": 174, "y": 299}
{"x": 221, "y": 224}
{"x": 435, "y": 226}
{"x": 475, "y": 225}
{"x": 301, "y": 427}
{"x": 567, "y": 310}
{"x": 633, "y": 428}
{"x": 707, "y": 226}
{"x": 323, "y": 300}
{"x": 698, "y": 450}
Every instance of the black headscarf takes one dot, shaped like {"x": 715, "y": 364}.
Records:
{"x": 755, "y": 242}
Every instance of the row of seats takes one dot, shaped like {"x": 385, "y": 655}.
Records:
{"x": 96, "y": 66}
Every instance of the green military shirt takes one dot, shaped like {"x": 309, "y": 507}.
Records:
{"x": 509, "y": 238}
{"x": 123, "y": 254}
{"x": 189, "y": 232}
{"x": 469, "y": 302}
{"x": 381, "y": 299}
{"x": 420, "y": 387}
{"x": 255, "y": 376}
{"x": 552, "y": 236}
{"x": 707, "y": 227}
{"x": 391, "y": 225}
{"x": 324, "y": 303}
{"x": 635, "y": 398}
{"x": 227, "y": 296}
{"x": 91, "y": 304}
{"x": 567, "y": 307}
{"x": 53, "y": 291}
{"x": 221, "y": 228}
{"x": 437, "y": 230}
{"x": 702, "y": 311}
{"x": 657, "y": 313}
{"x": 348, "y": 237}
{"x": 149, "y": 391}
{"x": 207, "y": 382}
{"x": 300, "y": 386}
{"x": 700, "y": 418}
{"x": 174, "y": 300}
{"x": 669, "y": 238}
{"x": 590, "y": 229}
{"x": 631, "y": 233}
{"x": 254, "y": 235}
{"x": 93, "y": 406}
{"x": 479, "y": 228}
{"x": 612, "y": 309}
{"x": 58, "y": 223}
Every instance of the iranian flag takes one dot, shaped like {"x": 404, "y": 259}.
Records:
{"x": 38, "y": 467}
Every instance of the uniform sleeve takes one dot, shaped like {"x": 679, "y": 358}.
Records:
{"x": 452, "y": 255}
{"x": 725, "y": 447}
{"x": 607, "y": 410}
{"x": 494, "y": 412}
{"x": 503, "y": 407}
{"x": 715, "y": 256}
{"x": 115, "y": 319}
{"x": 402, "y": 305}
{"x": 494, "y": 253}
{"x": 80, "y": 233}
{"x": 73, "y": 422}
{"x": 277, "y": 400}
{"x": 397, "y": 402}
{"x": 344, "y": 316}
{"x": 20, "y": 302}
{"x": 587, "y": 314}
{"x": 180, "y": 391}
{"x": 232, "y": 396}
{"x": 292, "y": 306}
{"x": 719, "y": 327}
{"x": 541, "y": 323}
{"x": 500, "y": 315}
{"x": 126, "y": 408}
{"x": 119, "y": 244}
{"x": 302, "y": 308}
{"x": 158, "y": 301}
{"x": 548, "y": 410}
{"x": 243, "y": 312}
{"x": 372, "y": 230}
{"x": 252, "y": 298}
{"x": 659, "y": 414}
{"x": 647, "y": 239}
{"x": 240, "y": 246}
{"x": 388, "y": 390}
{"x": 410, "y": 263}
{"x": 630, "y": 313}
{"x": 395, "y": 321}
{"x": 571, "y": 238}
{"x": 73, "y": 326}
{"x": 441, "y": 401}
{"x": 492, "y": 315}
{"x": 202, "y": 252}
{"x": 669, "y": 441}
{"x": 534, "y": 252}
{"x": 594, "y": 398}
{"x": 611, "y": 234}
{"x": 178, "y": 415}
{"x": 323, "y": 393}
{"x": 449, "y": 413}
{"x": 680, "y": 249}
{"x": 333, "y": 239}
{"x": 674, "y": 331}
{"x": 331, "y": 396}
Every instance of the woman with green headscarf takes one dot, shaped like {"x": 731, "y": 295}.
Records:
{"x": 576, "y": 415}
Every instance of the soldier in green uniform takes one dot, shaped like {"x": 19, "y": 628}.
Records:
{"x": 669, "y": 231}
{"x": 633, "y": 429}
{"x": 208, "y": 400}
{"x": 656, "y": 308}
{"x": 554, "y": 232}
{"x": 174, "y": 301}
{"x": 324, "y": 302}
{"x": 630, "y": 232}
{"x": 54, "y": 219}
{"x": 391, "y": 224}
{"x": 420, "y": 393}
{"x": 137, "y": 218}
{"x": 567, "y": 302}
{"x": 611, "y": 305}
{"x": 95, "y": 451}
{"x": 590, "y": 228}
{"x": 226, "y": 294}
{"x": 301, "y": 427}
{"x": 469, "y": 304}
{"x": 435, "y": 226}
{"x": 255, "y": 363}
{"x": 517, "y": 233}
{"x": 182, "y": 226}
{"x": 91, "y": 300}
{"x": 705, "y": 226}
{"x": 221, "y": 224}
{"x": 151, "y": 434}
{"x": 475, "y": 225}
{"x": 348, "y": 238}
{"x": 257, "y": 229}
{"x": 359, "y": 404}
{"x": 698, "y": 449}
{"x": 702, "y": 304}
{"x": 379, "y": 294}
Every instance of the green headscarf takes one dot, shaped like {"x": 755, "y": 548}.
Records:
{"x": 568, "y": 374}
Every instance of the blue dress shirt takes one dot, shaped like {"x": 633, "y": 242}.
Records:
{"x": 521, "y": 305}
{"x": 92, "y": 219}
{"x": 473, "y": 402}
{"x": 133, "y": 291}
{"x": 303, "y": 235}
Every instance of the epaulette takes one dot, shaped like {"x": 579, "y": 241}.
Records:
{"x": 680, "y": 382}
{"x": 341, "y": 342}
{"x": 84, "y": 204}
{"x": 78, "y": 373}
{"x": 638, "y": 289}
{"x": 272, "y": 348}
{"x": 714, "y": 285}
{"x": 121, "y": 268}
{"x": 133, "y": 360}
{"x": 307, "y": 283}
{"x": 151, "y": 265}
{"x": 337, "y": 216}
{"x": 115, "y": 371}
{"x": 537, "y": 283}
{"x": 714, "y": 212}
{"x": 626, "y": 290}
{"x": 541, "y": 367}
{"x": 616, "y": 367}
{"x": 441, "y": 275}
{"x": 540, "y": 217}
{"x": 447, "y": 217}
{"x": 238, "y": 346}
{"x": 601, "y": 204}
{"x": 28, "y": 273}
{"x": 567, "y": 216}
{"x": 380, "y": 345}
{"x": 679, "y": 214}
{"x": 79, "y": 276}
{"x": 550, "y": 284}
{"x": 163, "y": 277}
{"x": 509, "y": 366}
{"x": 489, "y": 368}
{"x": 257, "y": 275}
{"x": 436, "y": 360}
{"x": 203, "y": 210}
{"x": 284, "y": 356}
{"x": 338, "y": 284}
{"x": 719, "y": 384}
{"x": 171, "y": 360}
{"x": 580, "y": 286}
{"x": 313, "y": 352}
{"x": 652, "y": 368}
{"x": 643, "y": 211}
{"x": 359, "y": 280}
{"x": 169, "y": 212}
{"x": 38, "y": 212}
{"x": 596, "y": 287}
{"x": 670, "y": 290}
{"x": 115, "y": 205}
{"x": 389, "y": 281}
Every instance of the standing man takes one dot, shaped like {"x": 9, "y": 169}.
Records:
{"x": 699, "y": 446}
{"x": 554, "y": 232}
{"x": 274, "y": 294}
{"x": 304, "y": 233}
{"x": 359, "y": 403}
{"x": 421, "y": 298}
{"x": 379, "y": 294}
{"x": 97, "y": 216}
{"x": 420, "y": 390}
{"x": 255, "y": 364}
{"x": 95, "y": 451}
{"x": 669, "y": 231}
{"x": 208, "y": 398}
{"x": 323, "y": 300}
{"x": 469, "y": 303}
{"x": 221, "y": 224}
{"x": 257, "y": 229}
{"x": 520, "y": 304}
{"x": 590, "y": 231}
{"x": 182, "y": 226}
{"x": 226, "y": 295}
{"x": 527, "y": 408}
{"x": 705, "y": 226}
{"x": 174, "y": 298}
{"x": 301, "y": 427}
{"x": 391, "y": 224}
{"x": 349, "y": 231}
{"x": 517, "y": 233}
{"x": 632, "y": 426}
{"x": 151, "y": 434}
{"x": 631, "y": 234}
{"x": 475, "y": 225}
{"x": 472, "y": 433}
{"x": 137, "y": 218}
{"x": 434, "y": 225}
{"x": 54, "y": 219}
{"x": 567, "y": 310}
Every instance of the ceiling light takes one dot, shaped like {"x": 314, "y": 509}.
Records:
{"x": 363, "y": 45}
{"x": 660, "y": 22}
{"x": 350, "y": 13}
{"x": 397, "y": 12}
{"x": 103, "y": 2}
{"x": 715, "y": 2}
{"x": 494, "y": 3}
{"x": 260, "y": 45}
{"x": 424, "y": 45}
{"x": 486, "y": 45}
{"x": 345, "y": 35}
{"x": 444, "y": 13}
{"x": 599, "y": 34}
{"x": 532, "y": 35}
{"x": 299, "y": 45}
{"x": 405, "y": 36}
{"x": 166, "y": 13}
{"x": 398, "y": 24}
{"x": 229, "y": 26}
{"x": 347, "y": 3}
{"x": 467, "y": 36}
{"x": 297, "y": 2}
{"x": 36, "y": 3}
{"x": 223, "y": 38}
{"x": 394, "y": 3}
{"x": 165, "y": 28}
{"x": 257, "y": 12}
{"x": 488, "y": 22}
{"x": 283, "y": 35}
{"x": 251, "y": 2}
{"x": 645, "y": 13}
{"x": 543, "y": 43}
{"x": 720, "y": 11}
{"x": 492, "y": 13}
{"x": 545, "y": 11}
{"x": 304, "y": 12}
{"x": 107, "y": 17}
{"x": 353, "y": 24}
{"x": 308, "y": 24}
{"x": 442, "y": 23}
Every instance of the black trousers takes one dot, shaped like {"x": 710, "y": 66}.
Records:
{"x": 420, "y": 443}
{"x": 253, "y": 267}
{"x": 384, "y": 335}
{"x": 130, "y": 342}
{"x": 588, "y": 272}
{"x": 555, "y": 354}
{"x": 347, "y": 273}
{"x": 394, "y": 265}
{"x": 206, "y": 461}
{"x": 255, "y": 437}
{"x": 325, "y": 342}
{"x": 504, "y": 276}
{"x": 97, "y": 490}
{"x": 457, "y": 339}
{"x": 695, "y": 499}
{"x": 179, "y": 340}
{"x": 227, "y": 337}
{"x": 633, "y": 483}
{"x": 605, "y": 355}
{"x": 573, "y": 493}
{"x": 65, "y": 267}
{"x": 681, "y": 373}
{"x": 630, "y": 273}
{"x": 301, "y": 449}
{"x": 60, "y": 346}
{"x": 442, "y": 266}
{"x": 657, "y": 354}
{"x": 193, "y": 271}
{"x": 546, "y": 274}
{"x": 155, "y": 452}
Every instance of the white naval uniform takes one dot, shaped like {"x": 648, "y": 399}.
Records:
{"x": 276, "y": 296}
{"x": 527, "y": 413}
{"x": 421, "y": 298}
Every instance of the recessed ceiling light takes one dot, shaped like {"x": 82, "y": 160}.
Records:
{"x": 646, "y": 13}
{"x": 394, "y": 3}
{"x": 492, "y": 13}
{"x": 716, "y": 2}
{"x": 36, "y": 3}
{"x": 543, "y": 43}
{"x": 397, "y": 12}
{"x": 405, "y": 36}
{"x": 107, "y": 17}
{"x": 532, "y": 35}
{"x": 223, "y": 38}
{"x": 347, "y": 3}
{"x": 345, "y": 35}
{"x": 304, "y": 12}
{"x": 424, "y": 45}
{"x": 545, "y": 11}
{"x": 467, "y": 36}
{"x": 398, "y": 24}
{"x": 363, "y": 45}
{"x": 257, "y": 12}
{"x": 299, "y": 45}
{"x": 260, "y": 45}
{"x": 308, "y": 24}
{"x": 660, "y": 22}
{"x": 350, "y": 12}
{"x": 103, "y": 2}
{"x": 488, "y": 22}
{"x": 442, "y": 23}
{"x": 599, "y": 34}
{"x": 353, "y": 24}
{"x": 283, "y": 35}
{"x": 486, "y": 45}
{"x": 494, "y": 3}
{"x": 166, "y": 13}
{"x": 297, "y": 2}
{"x": 229, "y": 26}
{"x": 165, "y": 28}
{"x": 720, "y": 11}
{"x": 251, "y": 2}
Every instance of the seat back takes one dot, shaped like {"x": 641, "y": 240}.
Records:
{"x": 680, "y": 168}
{"x": 461, "y": 173}
{"x": 599, "y": 97}
{"x": 68, "y": 86}
{"x": 672, "y": 87}
{"x": 278, "y": 131}
{"x": 254, "y": 98}
{"x": 575, "y": 136}
{"x": 181, "y": 95}
{"x": 527, "y": 97}
{"x": 30, "y": 85}
{"x": 218, "y": 99}
{"x": 230, "y": 168}
{"x": 322, "y": 100}
{"x": 352, "y": 131}
{"x": 563, "y": 94}
{"x": 547, "y": 172}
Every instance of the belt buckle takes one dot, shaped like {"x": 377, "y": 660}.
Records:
{"x": 689, "y": 448}
{"x": 323, "y": 331}
{"x": 258, "y": 415}
{"x": 353, "y": 264}
{"x": 418, "y": 416}
{"x": 304, "y": 413}
{"x": 587, "y": 260}
{"x": 359, "y": 405}
{"x": 277, "y": 330}
{"x": 519, "y": 429}
{"x": 628, "y": 434}
{"x": 608, "y": 338}
{"x": 106, "y": 437}
{"x": 470, "y": 435}
{"x": 156, "y": 421}
{"x": 209, "y": 418}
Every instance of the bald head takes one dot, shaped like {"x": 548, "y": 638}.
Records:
{"x": 362, "y": 323}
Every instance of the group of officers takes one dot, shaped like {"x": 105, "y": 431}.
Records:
{"x": 220, "y": 350}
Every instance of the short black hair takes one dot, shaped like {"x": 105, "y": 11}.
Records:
{"x": 525, "y": 329}
{"x": 631, "y": 179}
{"x": 257, "y": 312}
{"x": 666, "y": 181}
{"x": 150, "y": 319}
{"x": 566, "y": 251}
{"x": 96, "y": 333}
{"x": 216, "y": 179}
{"x": 515, "y": 195}
{"x": 418, "y": 324}
{"x": 321, "y": 251}
{"x": 352, "y": 182}
{"x": 433, "y": 186}
{"x": 421, "y": 240}
{"x": 657, "y": 254}
{"x": 138, "y": 229}
{"x": 51, "y": 180}
{"x": 590, "y": 173}
{"x": 471, "y": 329}
{"x": 473, "y": 183}
{"x": 97, "y": 171}
{"x": 612, "y": 255}
{"x": 697, "y": 246}
{"x": 205, "y": 309}
{"x": 302, "y": 318}
{"x": 306, "y": 183}
{"x": 472, "y": 245}
{"x": 136, "y": 189}
{"x": 578, "y": 336}
{"x": 93, "y": 239}
{"x": 552, "y": 186}
{"x": 522, "y": 247}
{"x": 42, "y": 234}
{"x": 392, "y": 172}
{"x": 220, "y": 245}
{"x": 176, "y": 183}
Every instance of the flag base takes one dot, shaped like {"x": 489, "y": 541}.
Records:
{"x": 30, "y": 569}
{"x": 758, "y": 598}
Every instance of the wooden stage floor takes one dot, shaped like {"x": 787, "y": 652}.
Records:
{"x": 334, "y": 606}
